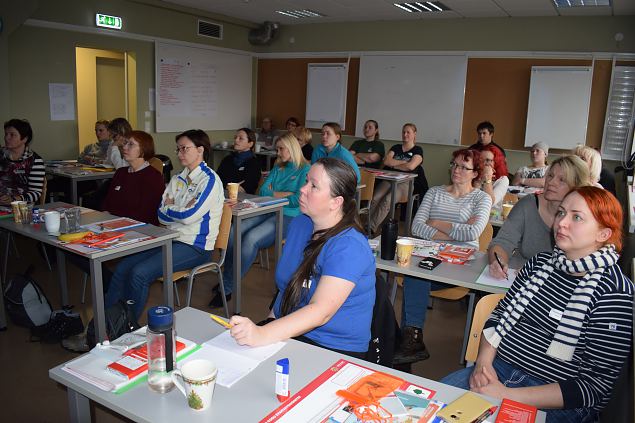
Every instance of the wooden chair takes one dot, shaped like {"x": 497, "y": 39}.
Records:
{"x": 366, "y": 194}
{"x": 156, "y": 163}
{"x": 482, "y": 311}
{"x": 214, "y": 266}
{"x": 456, "y": 293}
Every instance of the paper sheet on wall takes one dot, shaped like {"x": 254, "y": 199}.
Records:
{"x": 61, "y": 101}
{"x": 186, "y": 88}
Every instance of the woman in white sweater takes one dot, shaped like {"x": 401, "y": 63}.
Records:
{"x": 455, "y": 213}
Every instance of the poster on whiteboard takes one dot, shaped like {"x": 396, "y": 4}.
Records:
{"x": 186, "y": 88}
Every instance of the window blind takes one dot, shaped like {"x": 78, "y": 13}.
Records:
{"x": 619, "y": 114}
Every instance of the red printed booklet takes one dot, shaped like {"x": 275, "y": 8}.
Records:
{"x": 135, "y": 361}
{"x": 455, "y": 254}
{"x": 516, "y": 412}
{"x": 117, "y": 224}
{"x": 340, "y": 393}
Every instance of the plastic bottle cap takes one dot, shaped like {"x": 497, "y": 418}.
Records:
{"x": 160, "y": 317}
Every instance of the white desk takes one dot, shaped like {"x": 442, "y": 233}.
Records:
{"x": 77, "y": 174}
{"x": 249, "y": 400}
{"x": 237, "y": 217}
{"x": 161, "y": 238}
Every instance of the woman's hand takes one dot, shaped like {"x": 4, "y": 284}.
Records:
{"x": 498, "y": 272}
{"x": 5, "y": 199}
{"x": 487, "y": 173}
{"x": 494, "y": 388}
{"x": 482, "y": 375}
{"x": 246, "y": 332}
{"x": 168, "y": 201}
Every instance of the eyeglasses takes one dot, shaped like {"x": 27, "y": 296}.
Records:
{"x": 460, "y": 167}
{"x": 183, "y": 149}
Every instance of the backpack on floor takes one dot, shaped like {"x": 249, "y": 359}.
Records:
{"x": 26, "y": 303}
{"x": 120, "y": 319}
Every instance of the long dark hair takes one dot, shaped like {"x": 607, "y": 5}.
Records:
{"x": 343, "y": 184}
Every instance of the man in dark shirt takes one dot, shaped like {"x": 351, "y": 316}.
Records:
{"x": 485, "y": 131}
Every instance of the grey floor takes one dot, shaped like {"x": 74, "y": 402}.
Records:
{"x": 28, "y": 395}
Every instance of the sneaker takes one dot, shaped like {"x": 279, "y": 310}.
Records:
{"x": 412, "y": 343}
{"x": 76, "y": 343}
{"x": 217, "y": 300}
{"x": 63, "y": 323}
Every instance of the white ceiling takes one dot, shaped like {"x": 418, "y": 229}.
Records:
{"x": 258, "y": 11}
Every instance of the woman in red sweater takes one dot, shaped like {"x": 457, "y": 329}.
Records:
{"x": 136, "y": 190}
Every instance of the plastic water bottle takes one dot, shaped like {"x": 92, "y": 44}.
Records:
{"x": 161, "y": 348}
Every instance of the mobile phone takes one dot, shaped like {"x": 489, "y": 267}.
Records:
{"x": 429, "y": 263}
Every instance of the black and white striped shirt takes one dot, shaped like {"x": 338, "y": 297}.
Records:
{"x": 22, "y": 178}
{"x": 605, "y": 339}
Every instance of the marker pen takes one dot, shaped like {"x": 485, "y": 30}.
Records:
{"x": 282, "y": 379}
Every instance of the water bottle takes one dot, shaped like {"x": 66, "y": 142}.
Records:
{"x": 161, "y": 348}
{"x": 389, "y": 232}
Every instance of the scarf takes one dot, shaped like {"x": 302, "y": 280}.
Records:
{"x": 568, "y": 331}
{"x": 242, "y": 157}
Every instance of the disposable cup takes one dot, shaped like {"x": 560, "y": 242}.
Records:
{"x": 404, "y": 251}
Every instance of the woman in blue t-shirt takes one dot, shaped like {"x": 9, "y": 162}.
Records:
{"x": 326, "y": 275}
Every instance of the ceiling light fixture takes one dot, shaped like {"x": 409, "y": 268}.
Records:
{"x": 423, "y": 7}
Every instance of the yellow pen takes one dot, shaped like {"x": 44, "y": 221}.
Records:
{"x": 220, "y": 321}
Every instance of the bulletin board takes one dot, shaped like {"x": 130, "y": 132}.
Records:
{"x": 201, "y": 88}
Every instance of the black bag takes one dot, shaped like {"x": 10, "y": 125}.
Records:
{"x": 63, "y": 323}
{"x": 26, "y": 303}
{"x": 120, "y": 319}
{"x": 384, "y": 329}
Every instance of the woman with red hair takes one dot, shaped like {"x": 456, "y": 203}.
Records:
{"x": 561, "y": 335}
{"x": 493, "y": 179}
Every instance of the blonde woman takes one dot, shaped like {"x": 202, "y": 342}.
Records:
{"x": 593, "y": 160}
{"x": 304, "y": 137}
{"x": 284, "y": 181}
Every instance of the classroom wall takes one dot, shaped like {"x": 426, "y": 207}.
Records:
{"x": 561, "y": 34}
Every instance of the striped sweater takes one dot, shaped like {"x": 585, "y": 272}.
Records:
{"x": 603, "y": 346}
{"x": 22, "y": 179}
{"x": 198, "y": 205}
{"x": 439, "y": 204}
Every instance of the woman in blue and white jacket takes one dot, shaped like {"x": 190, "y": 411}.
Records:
{"x": 192, "y": 205}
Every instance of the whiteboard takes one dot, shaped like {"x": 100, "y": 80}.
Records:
{"x": 558, "y": 110}
{"x": 200, "y": 88}
{"x": 426, "y": 90}
{"x": 326, "y": 94}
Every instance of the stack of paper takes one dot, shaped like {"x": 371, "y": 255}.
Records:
{"x": 232, "y": 360}
{"x": 486, "y": 279}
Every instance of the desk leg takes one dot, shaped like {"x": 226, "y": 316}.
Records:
{"x": 393, "y": 199}
{"x": 61, "y": 272}
{"x": 98, "y": 300}
{"x": 237, "y": 264}
{"x": 358, "y": 199}
{"x": 411, "y": 187}
{"x": 279, "y": 235}
{"x": 78, "y": 407}
{"x": 392, "y": 283}
{"x": 5, "y": 259}
{"x": 3, "y": 314}
{"x": 168, "y": 283}
{"x": 74, "y": 191}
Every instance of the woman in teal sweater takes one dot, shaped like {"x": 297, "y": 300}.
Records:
{"x": 285, "y": 180}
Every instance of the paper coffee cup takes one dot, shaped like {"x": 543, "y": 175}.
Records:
{"x": 15, "y": 208}
{"x": 507, "y": 207}
{"x": 199, "y": 380}
{"x": 257, "y": 148}
{"x": 232, "y": 190}
{"x": 404, "y": 251}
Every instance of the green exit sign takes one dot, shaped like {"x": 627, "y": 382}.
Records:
{"x": 106, "y": 21}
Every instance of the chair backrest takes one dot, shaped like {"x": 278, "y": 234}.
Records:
{"x": 485, "y": 238}
{"x": 43, "y": 195}
{"x": 156, "y": 163}
{"x": 481, "y": 312}
{"x": 368, "y": 179}
{"x": 224, "y": 228}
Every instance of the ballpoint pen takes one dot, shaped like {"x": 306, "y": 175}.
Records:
{"x": 498, "y": 260}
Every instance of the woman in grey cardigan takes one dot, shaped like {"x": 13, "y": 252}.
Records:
{"x": 527, "y": 230}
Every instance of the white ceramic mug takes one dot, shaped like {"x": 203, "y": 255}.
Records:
{"x": 257, "y": 147}
{"x": 52, "y": 222}
{"x": 199, "y": 379}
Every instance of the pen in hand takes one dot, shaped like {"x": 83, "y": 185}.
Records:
{"x": 220, "y": 321}
{"x": 498, "y": 260}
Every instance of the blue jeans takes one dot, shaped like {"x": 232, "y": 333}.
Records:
{"x": 256, "y": 233}
{"x": 136, "y": 272}
{"x": 416, "y": 294}
{"x": 512, "y": 377}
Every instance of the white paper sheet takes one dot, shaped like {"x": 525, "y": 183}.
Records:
{"x": 486, "y": 279}
{"x": 225, "y": 342}
{"x": 61, "y": 101}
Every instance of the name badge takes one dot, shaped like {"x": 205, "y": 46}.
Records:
{"x": 240, "y": 169}
{"x": 118, "y": 187}
{"x": 293, "y": 177}
{"x": 555, "y": 314}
